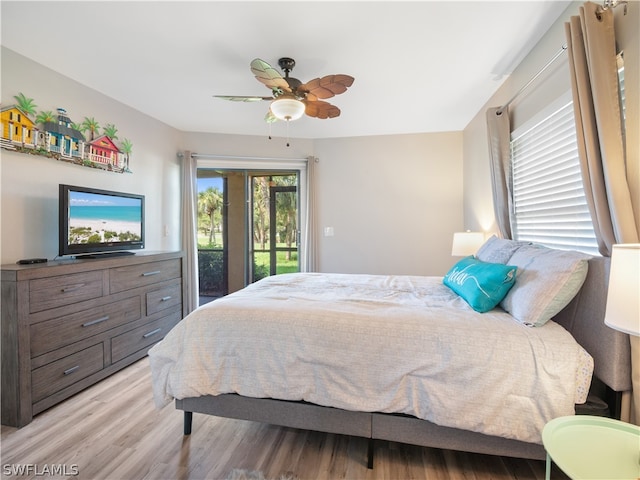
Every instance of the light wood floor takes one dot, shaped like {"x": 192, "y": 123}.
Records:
{"x": 113, "y": 431}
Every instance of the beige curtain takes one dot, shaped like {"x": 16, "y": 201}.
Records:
{"x": 189, "y": 229}
{"x": 499, "y": 135}
{"x": 592, "y": 61}
{"x": 311, "y": 235}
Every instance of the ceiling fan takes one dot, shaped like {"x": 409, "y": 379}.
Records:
{"x": 290, "y": 97}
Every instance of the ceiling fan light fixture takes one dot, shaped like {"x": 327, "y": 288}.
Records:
{"x": 287, "y": 109}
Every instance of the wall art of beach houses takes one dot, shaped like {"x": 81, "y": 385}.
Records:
{"x": 54, "y": 135}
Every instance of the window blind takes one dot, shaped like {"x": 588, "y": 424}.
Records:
{"x": 549, "y": 205}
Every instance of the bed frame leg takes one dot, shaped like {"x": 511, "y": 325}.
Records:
{"x": 188, "y": 419}
{"x": 370, "y": 454}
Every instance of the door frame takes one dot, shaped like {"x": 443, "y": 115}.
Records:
{"x": 273, "y": 234}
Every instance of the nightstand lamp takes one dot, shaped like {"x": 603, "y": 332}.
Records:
{"x": 623, "y": 296}
{"x": 466, "y": 243}
{"x": 590, "y": 447}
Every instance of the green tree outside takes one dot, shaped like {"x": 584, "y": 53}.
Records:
{"x": 210, "y": 213}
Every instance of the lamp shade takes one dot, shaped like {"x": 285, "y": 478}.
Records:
{"x": 466, "y": 243}
{"x": 623, "y": 297}
{"x": 287, "y": 108}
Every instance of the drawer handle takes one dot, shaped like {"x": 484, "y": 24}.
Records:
{"x": 71, "y": 288}
{"x": 151, "y": 333}
{"x": 97, "y": 320}
{"x": 167, "y": 298}
{"x": 69, "y": 371}
{"x": 148, "y": 274}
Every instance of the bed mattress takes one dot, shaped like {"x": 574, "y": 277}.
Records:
{"x": 391, "y": 344}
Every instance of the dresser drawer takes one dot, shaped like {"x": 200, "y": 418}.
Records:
{"x": 57, "y": 375}
{"x": 134, "y": 276}
{"x": 130, "y": 342}
{"x": 61, "y": 331}
{"x": 164, "y": 298}
{"x": 52, "y": 292}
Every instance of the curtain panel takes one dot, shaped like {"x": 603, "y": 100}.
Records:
{"x": 189, "y": 229}
{"x": 594, "y": 78}
{"x": 592, "y": 52}
{"x": 309, "y": 260}
{"x": 499, "y": 134}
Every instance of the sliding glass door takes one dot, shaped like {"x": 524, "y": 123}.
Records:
{"x": 248, "y": 227}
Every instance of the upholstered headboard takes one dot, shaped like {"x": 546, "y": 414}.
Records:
{"x": 584, "y": 318}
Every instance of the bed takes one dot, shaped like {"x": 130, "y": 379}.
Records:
{"x": 406, "y": 358}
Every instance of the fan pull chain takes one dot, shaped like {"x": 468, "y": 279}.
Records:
{"x": 287, "y": 122}
{"x": 287, "y": 133}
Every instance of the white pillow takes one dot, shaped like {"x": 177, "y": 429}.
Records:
{"x": 546, "y": 281}
{"x": 498, "y": 250}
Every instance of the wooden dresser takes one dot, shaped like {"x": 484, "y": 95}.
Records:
{"x": 68, "y": 324}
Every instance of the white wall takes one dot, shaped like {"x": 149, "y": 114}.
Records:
{"x": 29, "y": 183}
{"x": 478, "y": 201}
{"x": 246, "y": 145}
{"x": 393, "y": 203}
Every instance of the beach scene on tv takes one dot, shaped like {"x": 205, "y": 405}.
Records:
{"x": 96, "y": 218}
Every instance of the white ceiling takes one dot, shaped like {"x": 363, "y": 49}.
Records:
{"x": 419, "y": 66}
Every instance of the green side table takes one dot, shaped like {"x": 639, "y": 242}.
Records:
{"x": 588, "y": 447}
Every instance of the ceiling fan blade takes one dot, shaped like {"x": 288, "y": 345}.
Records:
{"x": 309, "y": 93}
{"x": 268, "y": 75}
{"x": 241, "y": 98}
{"x": 320, "y": 109}
{"x": 328, "y": 86}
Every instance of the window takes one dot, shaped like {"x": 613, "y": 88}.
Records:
{"x": 549, "y": 204}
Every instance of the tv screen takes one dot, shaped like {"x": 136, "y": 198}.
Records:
{"x": 94, "y": 221}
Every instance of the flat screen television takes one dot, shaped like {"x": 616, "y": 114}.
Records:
{"x": 96, "y": 222}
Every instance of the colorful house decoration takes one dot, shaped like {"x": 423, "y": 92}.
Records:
{"x": 58, "y": 137}
{"x": 62, "y": 138}
{"x": 17, "y": 127}
{"x": 103, "y": 151}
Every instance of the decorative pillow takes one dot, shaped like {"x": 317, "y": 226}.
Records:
{"x": 482, "y": 285}
{"x": 498, "y": 250}
{"x": 546, "y": 282}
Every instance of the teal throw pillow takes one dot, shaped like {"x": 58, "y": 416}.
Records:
{"x": 482, "y": 285}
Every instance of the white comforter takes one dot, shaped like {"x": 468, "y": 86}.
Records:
{"x": 402, "y": 344}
